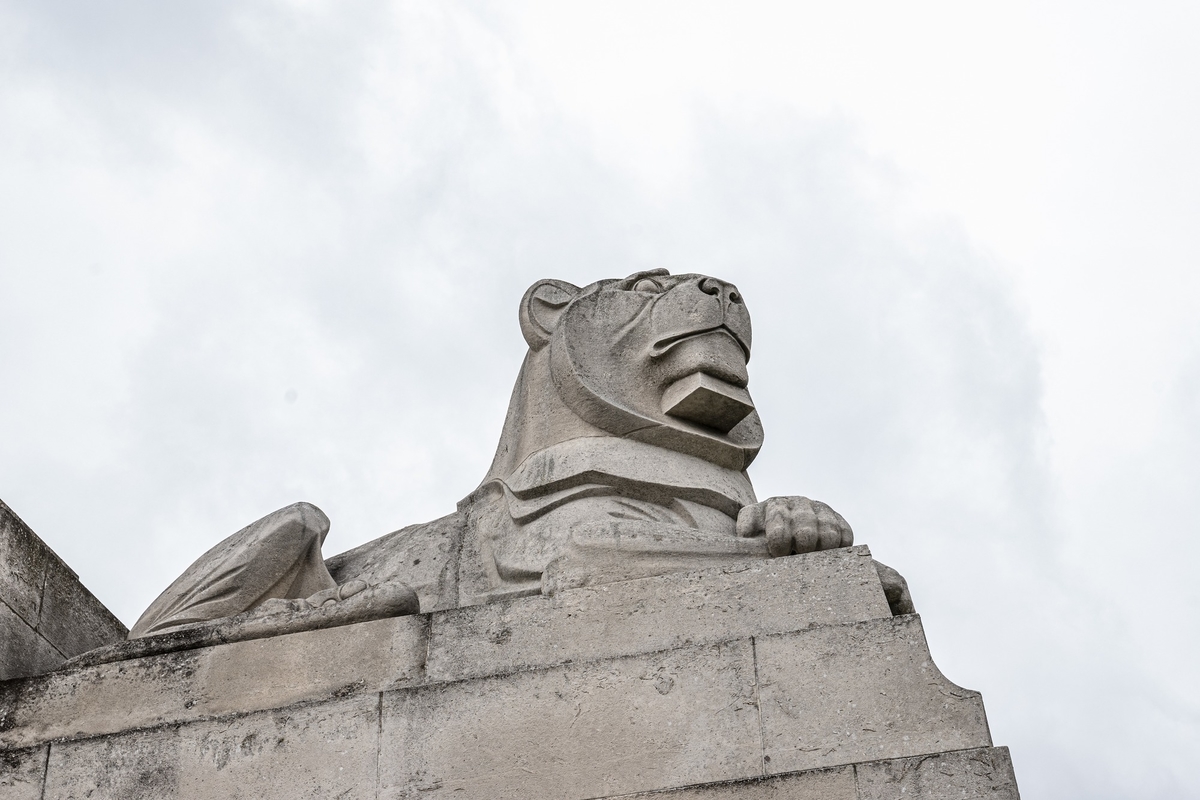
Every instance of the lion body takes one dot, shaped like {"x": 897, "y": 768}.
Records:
{"x": 591, "y": 480}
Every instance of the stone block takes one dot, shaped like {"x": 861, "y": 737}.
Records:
{"x": 707, "y": 400}
{"x": 322, "y": 751}
{"x": 659, "y": 613}
{"x": 23, "y": 651}
{"x": 368, "y": 657}
{"x": 59, "y": 617}
{"x": 577, "y": 731}
{"x": 849, "y": 693}
{"x": 72, "y": 618}
{"x": 239, "y": 677}
{"x": 983, "y": 774}
{"x": 24, "y": 557}
{"x": 21, "y": 773}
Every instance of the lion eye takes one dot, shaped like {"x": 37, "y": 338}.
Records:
{"x": 647, "y": 285}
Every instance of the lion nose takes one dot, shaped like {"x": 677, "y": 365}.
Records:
{"x": 720, "y": 289}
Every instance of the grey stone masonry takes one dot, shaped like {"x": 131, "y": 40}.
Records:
{"x": 46, "y": 614}
{"x": 782, "y": 678}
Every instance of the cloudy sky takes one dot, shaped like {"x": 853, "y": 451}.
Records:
{"x": 258, "y": 252}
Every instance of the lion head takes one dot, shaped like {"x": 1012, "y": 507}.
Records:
{"x": 653, "y": 357}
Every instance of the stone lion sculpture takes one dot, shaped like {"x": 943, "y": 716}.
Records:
{"x": 623, "y": 455}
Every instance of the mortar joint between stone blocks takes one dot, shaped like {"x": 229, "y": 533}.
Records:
{"x": 45, "y": 772}
{"x": 762, "y": 731}
{"x": 378, "y": 744}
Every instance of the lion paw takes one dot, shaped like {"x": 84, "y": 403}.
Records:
{"x": 794, "y": 525}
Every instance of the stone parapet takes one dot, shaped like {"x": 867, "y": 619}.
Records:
{"x": 46, "y": 615}
{"x": 786, "y": 678}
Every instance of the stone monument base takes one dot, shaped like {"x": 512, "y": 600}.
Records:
{"x": 785, "y": 678}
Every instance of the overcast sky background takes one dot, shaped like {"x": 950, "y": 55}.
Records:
{"x": 258, "y": 252}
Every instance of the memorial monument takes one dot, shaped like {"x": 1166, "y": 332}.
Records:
{"x": 612, "y": 612}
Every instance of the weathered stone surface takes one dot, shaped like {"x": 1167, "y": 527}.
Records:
{"x": 863, "y": 692}
{"x": 370, "y": 657}
{"x": 489, "y": 717}
{"x": 713, "y": 605}
{"x": 324, "y": 751}
{"x": 579, "y": 731}
{"x": 23, "y": 651}
{"x": 190, "y": 761}
{"x": 24, "y": 557}
{"x": 239, "y": 677}
{"x": 821, "y": 784}
{"x": 21, "y": 773}
{"x": 46, "y": 615}
{"x": 72, "y": 618}
{"x": 604, "y": 551}
{"x": 274, "y": 618}
{"x": 644, "y": 616}
{"x": 580, "y": 625}
{"x": 983, "y": 774}
{"x": 424, "y": 554}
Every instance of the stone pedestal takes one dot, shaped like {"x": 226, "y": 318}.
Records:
{"x": 786, "y": 678}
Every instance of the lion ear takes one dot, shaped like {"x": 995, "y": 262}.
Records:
{"x": 541, "y": 307}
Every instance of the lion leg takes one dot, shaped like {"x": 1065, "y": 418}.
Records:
{"x": 618, "y": 550}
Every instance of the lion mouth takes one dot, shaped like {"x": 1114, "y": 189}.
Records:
{"x": 662, "y": 346}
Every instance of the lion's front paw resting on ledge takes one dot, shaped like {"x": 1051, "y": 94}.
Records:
{"x": 794, "y": 525}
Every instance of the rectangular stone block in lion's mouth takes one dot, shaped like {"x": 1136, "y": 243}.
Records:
{"x": 708, "y": 401}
